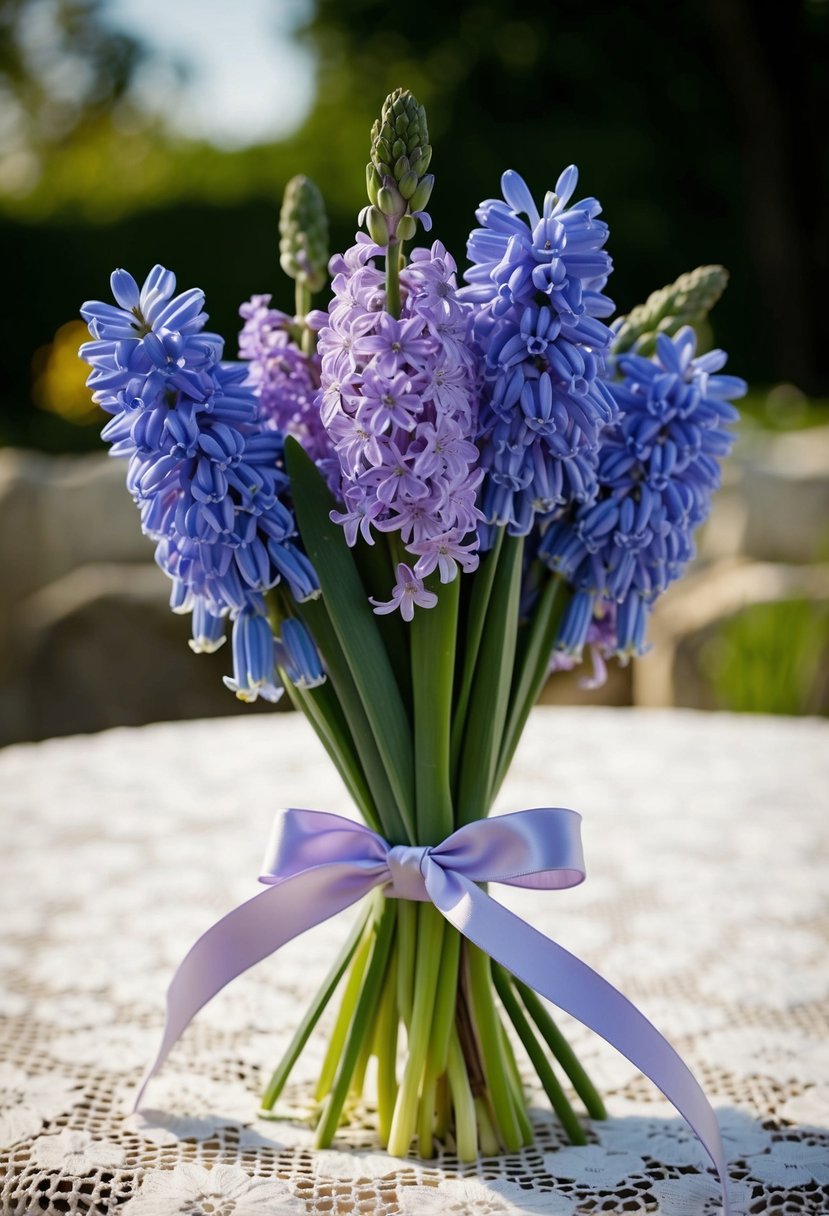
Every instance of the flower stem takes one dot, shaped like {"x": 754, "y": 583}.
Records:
{"x": 433, "y": 635}
{"x": 519, "y": 1101}
{"x": 406, "y": 950}
{"x": 430, "y": 934}
{"x": 442, "y": 1022}
{"x": 562, "y": 1050}
{"x": 393, "y": 279}
{"x": 361, "y": 1024}
{"x": 312, "y": 1014}
{"x": 466, "y": 1127}
{"x": 385, "y": 1048}
{"x": 552, "y": 1088}
{"x": 346, "y": 1010}
{"x": 488, "y": 1027}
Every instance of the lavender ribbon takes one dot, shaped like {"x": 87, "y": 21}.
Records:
{"x": 318, "y": 864}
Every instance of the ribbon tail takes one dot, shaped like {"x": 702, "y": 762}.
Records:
{"x": 249, "y": 934}
{"x": 580, "y": 991}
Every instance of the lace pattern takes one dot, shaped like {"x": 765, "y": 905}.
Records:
{"x": 705, "y": 838}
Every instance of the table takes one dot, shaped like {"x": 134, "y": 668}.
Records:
{"x": 705, "y": 839}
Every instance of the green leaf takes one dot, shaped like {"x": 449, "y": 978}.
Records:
{"x": 356, "y": 629}
{"x": 487, "y": 714}
{"x": 532, "y": 666}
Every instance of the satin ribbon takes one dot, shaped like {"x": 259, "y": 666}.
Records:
{"x": 318, "y": 864}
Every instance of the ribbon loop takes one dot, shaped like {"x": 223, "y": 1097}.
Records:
{"x": 405, "y": 864}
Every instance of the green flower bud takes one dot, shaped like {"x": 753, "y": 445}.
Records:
{"x": 303, "y": 233}
{"x": 408, "y": 184}
{"x": 422, "y": 194}
{"x": 378, "y": 229}
{"x": 373, "y": 182}
{"x": 400, "y": 156}
{"x": 390, "y": 201}
{"x": 685, "y": 302}
{"x": 406, "y": 228}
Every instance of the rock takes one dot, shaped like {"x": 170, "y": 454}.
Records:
{"x": 99, "y": 648}
{"x": 58, "y": 513}
{"x": 774, "y": 506}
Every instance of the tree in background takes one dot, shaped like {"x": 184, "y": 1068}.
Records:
{"x": 697, "y": 123}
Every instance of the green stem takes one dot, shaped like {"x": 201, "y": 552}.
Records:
{"x": 346, "y": 1010}
{"x": 385, "y": 1049}
{"x": 361, "y": 1024}
{"x": 389, "y": 822}
{"x": 433, "y": 637}
{"x": 406, "y": 951}
{"x": 552, "y": 1088}
{"x": 562, "y": 1050}
{"x": 442, "y": 1022}
{"x": 430, "y": 933}
{"x": 393, "y": 279}
{"x": 532, "y": 667}
{"x": 491, "y": 687}
{"x": 313, "y": 1014}
{"x": 322, "y": 709}
{"x": 488, "y": 1026}
{"x": 517, "y": 1086}
{"x": 473, "y": 631}
{"x": 466, "y": 1127}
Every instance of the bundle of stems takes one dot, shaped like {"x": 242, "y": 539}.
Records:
{"x": 422, "y": 720}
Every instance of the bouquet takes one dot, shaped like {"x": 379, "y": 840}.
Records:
{"x": 409, "y": 509}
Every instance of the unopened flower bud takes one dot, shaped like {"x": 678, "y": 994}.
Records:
{"x": 390, "y": 200}
{"x": 303, "y": 232}
{"x": 406, "y": 228}
{"x": 684, "y": 302}
{"x": 423, "y": 193}
{"x": 378, "y": 229}
{"x": 408, "y": 184}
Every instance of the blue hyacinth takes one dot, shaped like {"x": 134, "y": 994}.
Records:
{"x": 658, "y": 468}
{"x": 538, "y": 285}
{"x": 204, "y": 473}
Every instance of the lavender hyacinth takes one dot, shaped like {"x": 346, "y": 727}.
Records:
{"x": 538, "y": 285}
{"x": 286, "y": 380}
{"x": 399, "y": 401}
{"x": 658, "y": 469}
{"x": 202, "y": 469}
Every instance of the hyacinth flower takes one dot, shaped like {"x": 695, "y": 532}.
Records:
{"x": 283, "y": 365}
{"x": 658, "y": 469}
{"x": 202, "y": 469}
{"x": 537, "y": 279}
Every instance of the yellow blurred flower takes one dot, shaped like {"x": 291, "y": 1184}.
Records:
{"x": 59, "y": 376}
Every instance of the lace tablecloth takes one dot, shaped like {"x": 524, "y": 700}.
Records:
{"x": 705, "y": 839}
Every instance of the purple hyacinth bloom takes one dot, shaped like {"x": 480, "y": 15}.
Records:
{"x": 298, "y": 656}
{"x": 407, "y": 591}
{"x": 658, "y": 468}
{"x": 203, "y": 465}
{"x": 285, "y": 379}
{"x": 254, "y": 656}
{"x": 536, "y": 279}
{"x": 399, "y": 399}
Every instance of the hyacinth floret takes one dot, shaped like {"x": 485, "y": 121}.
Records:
{"x": 536, "y": 279}
{"x": 202, "y": 469}
{"x": 659, "y": 466}
{"x": 285, "y": 378}
{"x": 398, "y": 398}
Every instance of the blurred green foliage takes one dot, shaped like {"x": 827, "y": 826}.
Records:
{"x": 696, "y": 123}
{"x": 772, "y": 658}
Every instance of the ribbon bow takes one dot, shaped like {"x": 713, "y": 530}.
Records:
{"x": 318, "y": 864}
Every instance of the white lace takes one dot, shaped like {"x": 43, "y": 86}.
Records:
{"x": 705, "y": 838}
